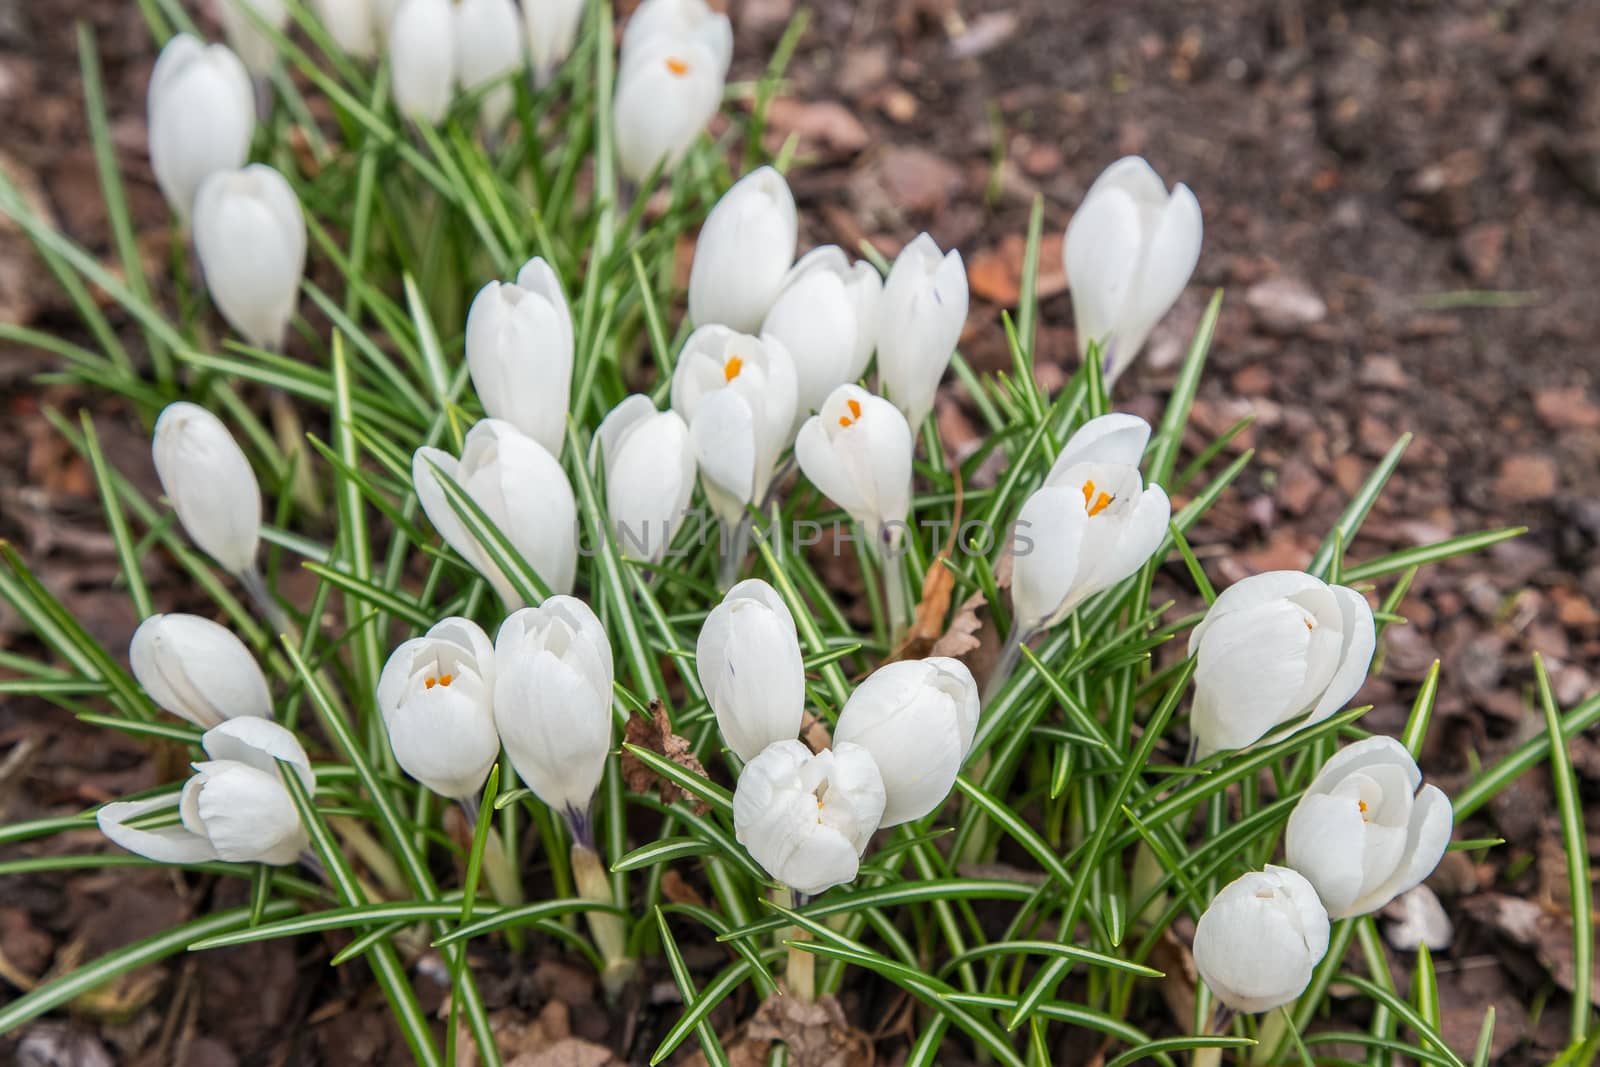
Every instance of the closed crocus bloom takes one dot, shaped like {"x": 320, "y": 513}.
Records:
{"x": 552, "y": 28}
{"x": 198, "y": 670}
{"x": 923, "y": 311}
{"x": 1259, "y": 940}
{"x": 858, "y": 451}
{"x": 807, "y": 818}
{"x": 1362, "y": 834}
{"x": 655, "y": 20}
{"x": 918, "y": 719}
{"x": 744, "y": 252}
{"x": 248, "y": 39}
{"x": 737, "y": 393}
{"x": 353, "y": 25}
{"x": 519, "y": 353}
{"x": 250, "y": 234}
{"x": 1129, "y": 251}
{"x": 649, "y": 466}
{"x": 523, "y": 491}
{"x": 666, "y": 95}
{"x": 202, "y": 114}
{"x": 748, "y": 659}
{"x": 1092, "y": 524}
{"x": 210, "y": 484}
{"x": 1275, "y": 647}
{"x": 552, "y": 702}
{"x": 436, "y": 695}
{"x": 422, "y": 59}
{"x": 826, "y": 315}
{"x": 488, "y": 41}
{"x": 235, "y": 808}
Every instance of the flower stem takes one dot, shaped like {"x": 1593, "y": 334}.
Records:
{"x": 734, "y": 542}
{"x": 801, "y": 968}
{"x": 609, "y": 932}
{"x": 256, "y": 587}
{"x": 894, "y": 592}
{"x": 1009, "y": 657}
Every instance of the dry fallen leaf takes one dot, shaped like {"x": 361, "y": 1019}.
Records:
{"x": 961, "y": 636}
{"x": 655, "y": 733}
{"x": 815, "y": 733}
{"x": 816, "y": 1033}
{"x": 675, "y": 889}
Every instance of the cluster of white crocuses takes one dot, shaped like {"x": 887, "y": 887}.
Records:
{"x": 901, "y": 738}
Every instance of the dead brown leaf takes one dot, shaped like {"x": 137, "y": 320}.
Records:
{"x": 995, "y": 274}
{"x": 655, "y": 733}
{"x": 675, "y": 889}
{"x": 816, "y": 1032}
{"x": 961, "y": 636}
{"x": 568, "y": 1052}
{"x": 1173, "y": 957}
{"x": 815, "y": 733}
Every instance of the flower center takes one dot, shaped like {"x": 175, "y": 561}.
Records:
{"x": 855, "y": 413}
{"x": 443, "y": 679}
{"x": 1362, "y": 804}
{"x": 1095, "y": 504}
{"x": 731, "y": 369}
{"x": 676, "y": 67}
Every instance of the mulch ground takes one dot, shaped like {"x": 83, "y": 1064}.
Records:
{"x": 1402, "y": 201}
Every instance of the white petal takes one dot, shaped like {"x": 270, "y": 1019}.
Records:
{"x": 488, "y": 44}
{"x": 250, "y": 238}
{"x": 1045, "y": 545}
{"x": 749, "y": 664}
{"x": 744, "y": 252}
{"x": 725, "y": 447}
{"x": 170, "y": 844}
{"x": 210, "y": 484}
{"x": 665, "y": 97}
{"x": 814, "y": 319}
{"x": 198, "y": 669}
{"x": 1101, "y": 253}
{"x": 1253, "y": 591}
{"x": 1117, "y": 438}
{"x": 259, "y": 743}
{"x": 1325, "y": 842}
{"x": 1427, "y": 838}
{"x": 1251, "y": 664}
{"x": 1360, "y": 641}
{"x": 249, "y": 815}
{"x": 444, "y": 736}
{"x": 422, "y": 60}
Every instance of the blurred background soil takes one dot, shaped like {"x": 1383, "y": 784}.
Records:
{"x": 1402, "y": 201}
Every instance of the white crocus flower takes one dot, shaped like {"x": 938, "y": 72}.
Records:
{"x": 748, "y": 659}
{"x": 1259, "y": 940}
{"x": 488, "y": 43}
{"x": 807, "y": 818}
{"x": 354, "y": 25}
{"x": 1362, "y": 833}
{"x": 826, "y": 315}
{"x": 250, "y": 235}
{"x": 1092, "y": 524}
{"x": 552, "y": 703}
{"x": 649, "y": 466}
{"x": 519, "y": 353}
{"x": 744, "y": 252}
{"x": 436, "y": 695}
{"x": 198, "y": 670}
{"x": 1129, "y": 251}
{"x": 235, "y": 808}
{"x": 1275, "y": 647}
{"x": 923, "y": 311}
{"x": 857, "y": 450}
{"x": 666, "y": 95}
{"x": 209, "y": 483}
{"x": 551, "y": 27}
{"x": 655, "y": 20}
{"x": 918, "y": 719}
{"x": 201, "y": 113}
{"x": 248, "y": 39}
{"x": 523, "y": 491}
{"x": 737, "y": 393}
{"x": 422, "y": 59}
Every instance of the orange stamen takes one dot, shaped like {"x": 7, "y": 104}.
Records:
{"x": 855, "y": 413}
{"x": 430, "y": 682}
{"x": 677, "y": 67}
{"x": 731, "y": 369}
{"x": 1099, "y": 504}
{"x": 446, "y": 679}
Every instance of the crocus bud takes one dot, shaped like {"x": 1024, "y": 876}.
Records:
{"x": 748, "y": 659}
{"x": 250, "y": 235}
{"x": 253, "y": 45}
{"x": 519, "y": 353}
{"x": 736, "y": 392}
{"x": 353, "y": 25}
{"x": 668, "y": 89}
{"x": 552, "y": 28}
{"x": 235, "y": 808}
{"x": 745, "y": 250}
{"x": 1272, "y": 648}
{"x": 917, "y": 718}
{"x": 523, "y": 491}
{"x": 436, "y": 695}
{"x": 552, "y": 702}
{"x": 488, "y": 42}
{"x": 198, "y": 670}
{"x": 422, "y": 59}
{"x": 1362, "y": 834}
{"x": 807, "y": 818}
{"x": 655, "y": 20}
{"x": 1259, "y": 940}
{"x": 649, "y": 466}
{"x": 826, "y": 315}
{"x": 1092, "y": 524}
{"x": 924, "y": 309}
{"x": 858, "y": 451}
{"x": 1129, "y": 251}
{"x": 202, "y": 113}
{"x": 209, "y": 483}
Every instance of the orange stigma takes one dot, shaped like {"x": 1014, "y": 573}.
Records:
{"x": 677, "y": 67}
{"x": 1362, "y": 804}
{"x": 443, "y": 679}
{"x": 1099, "y": 503}
{"x": 731, "y": 369}
{"x": 855, "y": 413}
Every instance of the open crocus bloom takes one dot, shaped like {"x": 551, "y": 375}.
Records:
{"x": 649, "y": 465}
{"x": 807, "y": 818}
{"x": 436, "y": 696}
{"x": 235, "y": 808}
{"x": 1092, "y": 524}
{"x": 1259, "y": 940}
{"x": 748, "y": 659}
{"x": 668, "y": 90}
{"x": 656, "y": 20}
{"x": 737, "y": 393}
{"x": 857, "y": 450}
{"x": 1274, "y": 647}
{"x": 1362, "y": 834}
